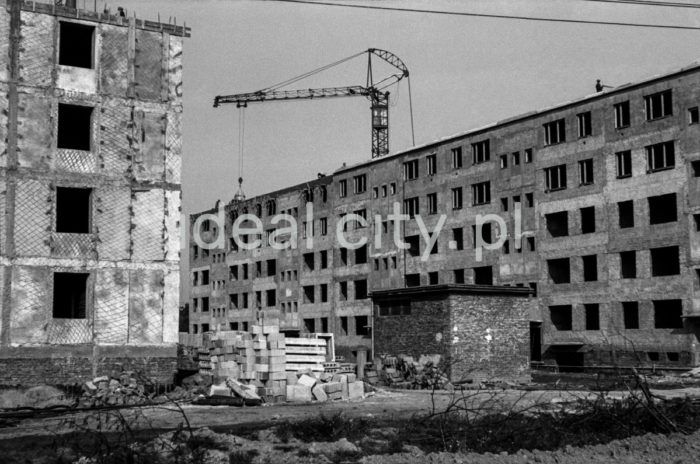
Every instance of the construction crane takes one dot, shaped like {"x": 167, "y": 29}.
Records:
{"x": 374, "y": 91}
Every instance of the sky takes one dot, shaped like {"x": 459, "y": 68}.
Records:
{"x": 465, "y": 72}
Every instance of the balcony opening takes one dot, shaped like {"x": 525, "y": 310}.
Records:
{"x": 271, "y": 296}
{"x": 625, "y": 211}
{"x": 309, "y": 261}
{"x": 665, "y": 261}
{"x": 76, "y": 45}
{"x": 360, "y": 289}
{"x": 73, "y": 210}
{"x": 588, "y": 220}
{"x": 271, "y": 267}
{"x": 74, "y": 127}
{"x": 412, "y": 280}
{"x": 590, "y": 268}
{"x": 413, "y": 242}
{"x": 310, "y": 325}
{"x": 662, "y": 209}
{"x": 459, "y": 276}
{"x": 361, "y": 255}
{"x": 483, "y": 275}
{"x": 362, "y": 327}
{"x": 592, "y": 316}
{"x": 560, "y": 316}
{"x": 433, "y": 278}
{"x": 309, "y": 296}
{"x": 70, "y": 295}
{"x": 667, "y": 314}
{"x": 559, "y": 270}
{"x": 558, "y": 224}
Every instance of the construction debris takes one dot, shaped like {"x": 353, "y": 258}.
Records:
{"x": 128, "y": 388}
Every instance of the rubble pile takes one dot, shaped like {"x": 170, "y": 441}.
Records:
{"x": 128, "y": 388}
{"x": 305, "y": 386}
{"x": 397, "y": 372}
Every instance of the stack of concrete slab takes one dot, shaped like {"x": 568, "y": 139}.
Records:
{"x": 303, "y": 354}
{"x": 306, "y": 386}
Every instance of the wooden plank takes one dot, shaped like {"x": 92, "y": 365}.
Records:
{"x": 296, "y": 358}
{"x": 305, "y": 342}
{"x": 301, "y": 367}
{"x": 305, "y": 350}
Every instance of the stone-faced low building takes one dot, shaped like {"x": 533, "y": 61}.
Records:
{"x": 474, "y": 332}
{"x": 90, "y": 150}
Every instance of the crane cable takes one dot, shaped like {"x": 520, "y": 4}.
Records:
{"x": 241, "y": 146}
{"x": 311, "y": 73}
{"x": 410, "y": 107}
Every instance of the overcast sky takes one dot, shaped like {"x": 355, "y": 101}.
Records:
{"x": 465, "y": 72}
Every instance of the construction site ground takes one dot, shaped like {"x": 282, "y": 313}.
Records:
{"x": 251, "y": 434}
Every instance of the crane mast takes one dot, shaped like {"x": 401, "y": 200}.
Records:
{"x": 374, "y": 91}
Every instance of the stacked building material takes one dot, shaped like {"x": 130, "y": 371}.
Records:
{"x": 303, "y": 354}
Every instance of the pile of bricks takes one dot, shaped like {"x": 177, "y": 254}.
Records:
{"x": 125, "y": 388}
{"x": 257, "y": 358}
{"x": 305, "y": 386}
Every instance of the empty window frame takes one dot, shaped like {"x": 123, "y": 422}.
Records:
{"x": 585, "y": 128}
{"x": 668, "y": 314}
{"x": 481, "y": 193}
{"x": 695, "y": 166}
{"x": 457, "y": 198}
{"x": 625, "y": 210}
{"x": 271, "y": 297}
{"x": 662, "y": 209}
{"x": 76, "y": 45}
{"x": 628, "y": 264}
{"x": 361, "y": 255}
{"x": 343, "y": 325}
{"x": 309, "y": 294}
{"x": 693, "y": 115}
{"x": 359, "y": 183}
{"x": 413, "y": 242}
{"x": 530, "y": 200}
{"x": 665, "y": 261}
{"x": 696, "y": 219}
{"x": 481, "y": 151}
{"x": 74, "y": 127}
{"x": 343, "y": 188}
{"x": 485, "y": 233}
{"x": 432, "y": 203}
{"x": 411, "y": 206}
{"x": 503, "y": 160}
{"x": 205, "y": 304}
{"x": 516, "y": 158}
{"x": 458, "y": 276}
{"x": 560, "y": 315}
{"x": 585, "y": 172}
{"x": 559, "y": 270}
{"x": 557, "y": 223}
{"x": 530, "y": 244}
{"x": 361, "y": 289}
{"x": 592, "y": 316}
{"x": 233, "y": 301}
{"x": 362, "y": 327}
{"x": 323, "y": 225}
{"x": 457, "y": 157}
{"x": 271, "y": 267}
{"x": 630, "y": 314}
{"x": 660, "y": 156}
{"x": 324, "y": 293}
{"x": 587, "y": 220}
{"x": 344, "y": 256}
{"x": 590, "y": 268}
{"x": 555, "y": 132}
{"x": 310, "y": 325}
{"x": 73, "y": 210}
{"x": 343, "y": 290}
{"x": 658, "y": 105}
{"x": 410, "y": 170}
{"x": 528, "y": 155}
{"x": 431, "y": 161}
{"x": 309, "y": 261}
{"x": 70, "y": 295}
{"x": 457, "y": 238}
{"x": 433, "y": 278}
{"x": 483, "y": 275}
{"x": 392, "y": 188}
{"x": 622, "y": 114}
{"x": 504, "y": 204}
{"x": 555, "y": 178}
{"x": 412, "y": 280}
{"x": 623, "y": 164}
{"x": 323, "y": 258}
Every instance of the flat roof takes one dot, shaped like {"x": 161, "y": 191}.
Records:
{"x": 695, "y": 66}
{"x": 451, "y": 288}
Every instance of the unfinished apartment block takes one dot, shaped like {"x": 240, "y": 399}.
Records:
{"x": 90, "y": 193}
{"x": 601, "y": 201}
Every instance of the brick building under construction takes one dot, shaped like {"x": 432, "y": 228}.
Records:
{"x": 607, "y": 190}
{"x": 90, "y": 193}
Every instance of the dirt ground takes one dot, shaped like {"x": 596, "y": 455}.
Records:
{"x": 249, "y": 434}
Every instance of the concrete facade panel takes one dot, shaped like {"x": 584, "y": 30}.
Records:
{"x": 148, "y": 65}
{"x": 34, "y": 219}
{"x": 36, "y": 49}
{"x": 113, "y": 58}
{"x": 111, "y": 306}
{"x": 146, "y": 290}
{"x": 147, "y": 221}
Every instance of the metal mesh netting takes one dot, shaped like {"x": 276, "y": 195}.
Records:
{"x": 76, "y": 161}
{"x": 66, "y": 245}
{"x": 114, "y": 143}
{"x": 147, "y": 231}
{"x": 36, "y": 49}
{"x": 146, "y": 306}
{"x": 69, "y": 331}
{"x": 113, "y": 223}
{"x": 173, "y": 148}
{"x": 114, "y": 67}
{"x": 112, "y": 305}
{"x": 31, "y": 288}
{"x": 32, "y": 218}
